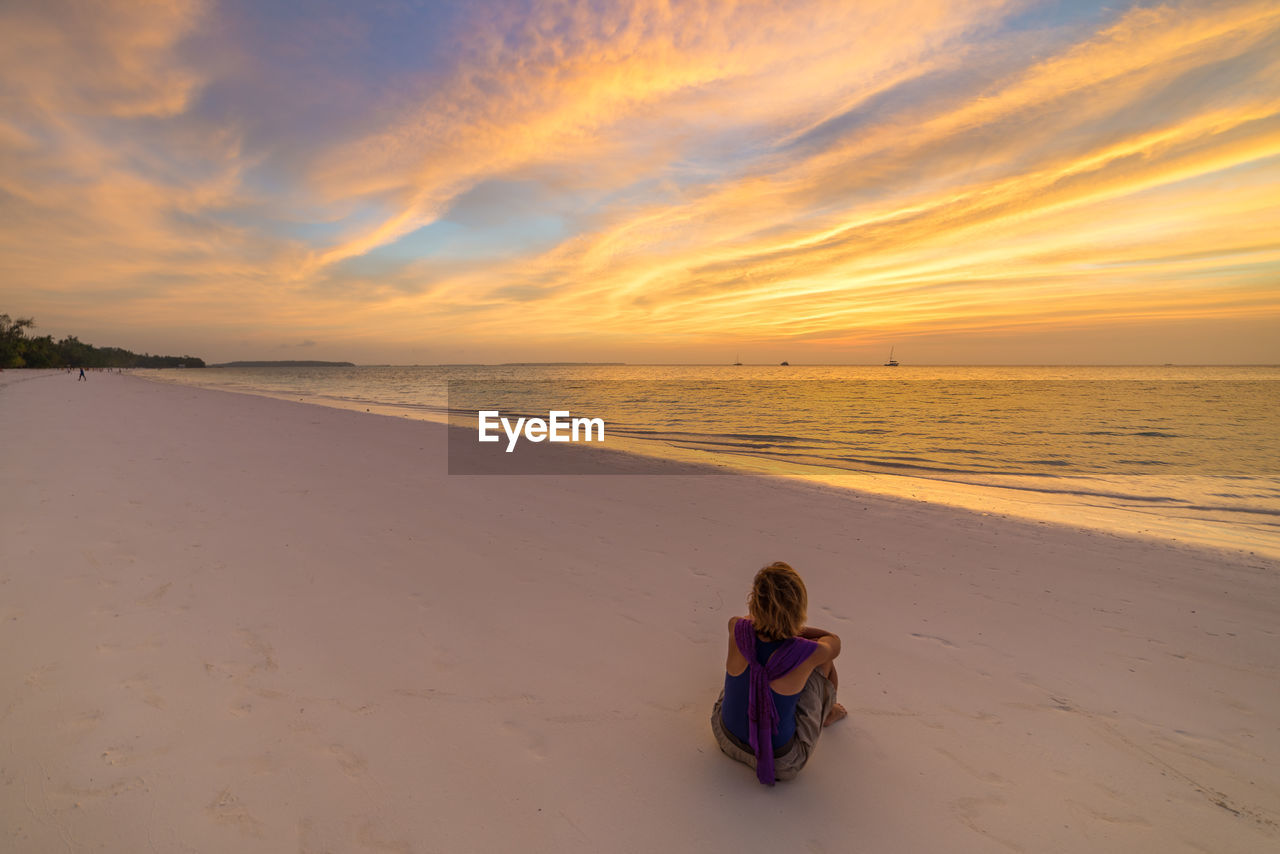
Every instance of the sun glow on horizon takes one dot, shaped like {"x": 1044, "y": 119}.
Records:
{"x": 981, "y": 180}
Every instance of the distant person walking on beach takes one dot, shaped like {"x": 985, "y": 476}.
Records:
{"x": 82, "y": 376}
{"x": 780, "y": 679}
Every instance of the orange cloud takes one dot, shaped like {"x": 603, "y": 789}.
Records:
{"x": 829, "y": 171}
{"x": 913, "y": 260}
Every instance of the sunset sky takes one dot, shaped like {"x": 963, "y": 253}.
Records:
{"x": 968, "y": 181}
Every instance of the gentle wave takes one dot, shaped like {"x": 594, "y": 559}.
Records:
{"x": 1104, "y": 440}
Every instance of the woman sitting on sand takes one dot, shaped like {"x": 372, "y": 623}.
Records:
{"x": 780, "y": 679}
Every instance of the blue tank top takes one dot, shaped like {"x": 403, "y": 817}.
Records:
{"x": 733, "y": 711}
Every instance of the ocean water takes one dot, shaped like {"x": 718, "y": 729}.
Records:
{"x": 1182, "y": 453}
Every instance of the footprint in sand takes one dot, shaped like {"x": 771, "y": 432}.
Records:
{"x": 77, "y": 725}
{"x": 117, "y": 788}
{"x": 226, "y": 808}
{"x": 38, "y": 679}
{"x": 352, "y": 764}
{"x": 835, "y": 615}
{"x": 261, "y": 648}
{"x": 118, "y": 756}
{"x": 934, "y": 638}
{"x": 153, "y": 598}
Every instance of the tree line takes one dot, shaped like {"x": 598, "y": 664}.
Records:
{"x": 18, "y": 350}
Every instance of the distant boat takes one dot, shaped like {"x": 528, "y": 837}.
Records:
{"x": 738, "y": 360}
{"x": 786, "y": 364}
{"x": 892, "y": 363}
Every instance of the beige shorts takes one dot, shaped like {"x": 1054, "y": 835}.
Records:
{"x": 815, "y": 703}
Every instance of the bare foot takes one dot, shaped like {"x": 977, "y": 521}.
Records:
{"x": 837, "y": 712}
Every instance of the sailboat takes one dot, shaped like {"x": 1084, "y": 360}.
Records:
{"x": 892, "y": 363}
{"x": 738, "y": 360}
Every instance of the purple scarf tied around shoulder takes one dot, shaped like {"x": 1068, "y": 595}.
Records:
{"x": 762, "y": 714}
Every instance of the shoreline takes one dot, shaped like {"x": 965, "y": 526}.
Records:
{"x": 1133, "y": 506}
{"x": 240, "y": 623}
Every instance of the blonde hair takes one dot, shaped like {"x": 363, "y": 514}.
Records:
{"x": 779, "y": 602}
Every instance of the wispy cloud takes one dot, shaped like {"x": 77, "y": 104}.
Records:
{"x": 640, "y": 176}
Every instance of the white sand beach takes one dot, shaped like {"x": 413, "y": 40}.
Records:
{"x": 236, "y": 624}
